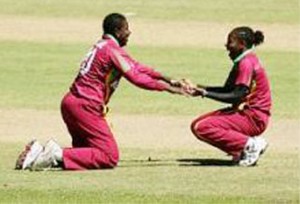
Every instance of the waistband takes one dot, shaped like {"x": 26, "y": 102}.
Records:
{"x": 244, "y": 106}
{"x": 100, "y": 107}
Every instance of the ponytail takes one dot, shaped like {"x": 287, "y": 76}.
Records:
{"x": 258, "y": 37}
{"x": 250, "y": 37}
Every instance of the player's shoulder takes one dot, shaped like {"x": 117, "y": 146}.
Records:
{"x": 107, "y": 46}
{"x": 104, "y": 43}
{"x": 249, "y": 59}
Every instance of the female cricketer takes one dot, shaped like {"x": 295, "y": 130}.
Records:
{"x": 235, "y": 130}
{"x": 84, "y": 107}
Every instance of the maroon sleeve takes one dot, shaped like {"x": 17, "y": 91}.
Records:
{"x": 135, "y": 72}
{"x": 148, "y": 70}
{"x": 245, "y": 72}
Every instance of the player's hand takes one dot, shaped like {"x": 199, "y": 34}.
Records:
{"x": 177, "y": 90}
{"x": 198, "y": 92}
{"x": 175, "y": 83}
{"x": 188, "y": 86}
{"x": 180, "y": 83}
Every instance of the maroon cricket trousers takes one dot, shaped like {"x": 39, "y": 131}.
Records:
{"x": 94, "y": 146}
{"x": 229, "y": 130}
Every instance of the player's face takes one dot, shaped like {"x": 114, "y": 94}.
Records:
{"x": 234, "y": 46}
{"x": 123, "y": 33}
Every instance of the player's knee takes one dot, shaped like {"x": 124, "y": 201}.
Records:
{"x": 200, "y": 128}
{"x": 194, "y": 127}
{"x": 106, "y": 160}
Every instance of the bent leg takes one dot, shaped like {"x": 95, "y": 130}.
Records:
{"x": 228, "y": 131}
{"x": 94, "y": 146}
{"x": 101, "y": 151}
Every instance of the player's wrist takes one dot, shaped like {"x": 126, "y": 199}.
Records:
{"x": 204, "y": 93}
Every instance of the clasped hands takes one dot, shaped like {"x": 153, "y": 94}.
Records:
{"x": 187, "y": 88}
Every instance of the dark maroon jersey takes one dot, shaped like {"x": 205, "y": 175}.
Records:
{"x": 251, "y": 73}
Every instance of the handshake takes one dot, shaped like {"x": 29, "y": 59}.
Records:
{"x": 186, "y": 87}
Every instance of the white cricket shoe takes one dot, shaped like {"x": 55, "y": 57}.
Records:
{"x": 46, "y": 159}
{"x": 254, "y": 148}
{"x": 32, "y": 150}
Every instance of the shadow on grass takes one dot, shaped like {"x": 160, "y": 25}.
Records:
{"x": 147, "y": 163}
{"x": 205, "y": 162}
{"x": 176, "y": 162}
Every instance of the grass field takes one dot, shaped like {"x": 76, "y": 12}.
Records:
{"x": 42, "y": 44}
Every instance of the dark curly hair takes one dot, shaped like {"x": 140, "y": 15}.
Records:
{"x": 249, "y": 36}
{"x": 112, "y": 22}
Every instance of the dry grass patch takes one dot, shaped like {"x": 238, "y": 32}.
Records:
{"x": 133, "y": 131}
{"x": 145, "y": 32}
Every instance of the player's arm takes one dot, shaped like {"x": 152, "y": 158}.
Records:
{"x": 156, "y": 74}
{"x": 140, "y": 77}
{"x": 147, "y": 70}
{"x": 227, "y": 87}
{"x": 218, "y": 89}
{"x": 234, "y": 96}
{"x": 196, "y": 90}
{"x": 240, "y": 90}
{"x": 224, "y": 93}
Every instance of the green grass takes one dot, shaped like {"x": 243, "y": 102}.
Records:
{"x": 34, "y": 73}
{"x": 165, "y": 179}
{"x": 267, "y": 11}
{"x": 36, "y": 76}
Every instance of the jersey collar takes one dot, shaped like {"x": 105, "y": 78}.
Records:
{"x": 243, "y": 54}
{"x": 109, "y": 36}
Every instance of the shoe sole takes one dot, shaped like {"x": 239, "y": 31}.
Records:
{"x": 22, "y": 155}
{"x": 34, "y": 150}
